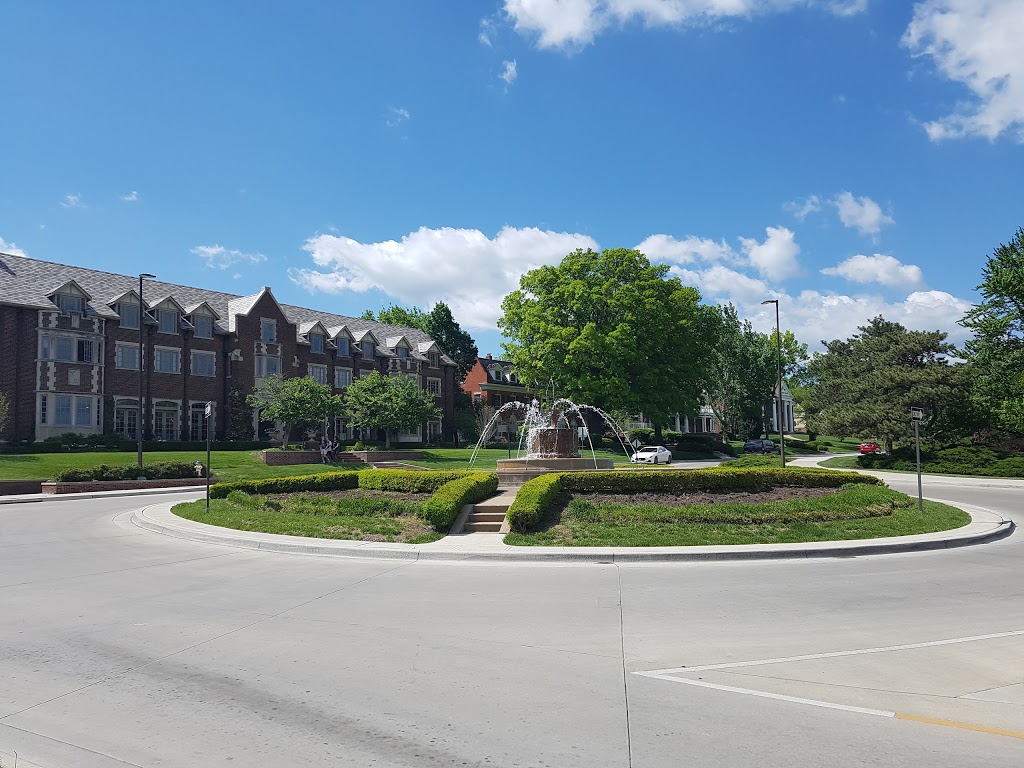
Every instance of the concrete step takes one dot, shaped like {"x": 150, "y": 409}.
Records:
{"x": 482, "y": 528}
{"x": 479, "y": 516}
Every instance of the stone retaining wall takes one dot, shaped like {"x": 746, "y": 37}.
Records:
{"x": 10, "y": 487}
{"x": 123, "y": 485}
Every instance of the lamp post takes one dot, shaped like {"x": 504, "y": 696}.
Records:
{"x": 779, "y": 410}
{"x": 142, "y": 330}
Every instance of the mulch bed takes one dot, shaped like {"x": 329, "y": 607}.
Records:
{"x": 706, "y": 497}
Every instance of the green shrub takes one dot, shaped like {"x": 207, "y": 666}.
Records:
{"x": 167, "y": 470}
{"x": 748, "y": 460}
{"x": 643, "y": 434}
{"x": 441, "y": 509}
{"x": 722, "y": 480}
{"x": 534, "y": 499}
{"x": 325, "y": 481}
{"x": 953, "y": 460}
{"x": 407, "y": 480}
{"x": 703, "y": 443}
{"x": 248, "y": 500}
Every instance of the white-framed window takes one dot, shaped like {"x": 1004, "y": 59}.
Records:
{"x": 126, "y": 417}
{"x": 168, "y": 320}
{"x": 165, "y": 420}
{"x": 199, "y": 427}
{"x": 433, "y": 428}
{"x": 343, "y": 347}
{"x": 435, "y": 359}
{"x": 126, "y": 356}
{"x": 62, "y": 410}
{"x": 68, "y": 349}
{"x": 43, "y": 399}
{"x": 70, "y": 304}
{"x": 478, "y": 397}
{"x": 268, "y": 330}
{"x": 342, "y": 377}
{"x": 369, "y": 350}
{"x": 204, "y": 326}
{"x": 129, "y": 314}
{"x": 204, "y": 363}
{"x": 267, "y": 365}
{"x": 318, "y": 373}
{"x": 316, "y": 342}
{"x": 166, "y": 360}
{"x": 83, "y": 411}
{"x": 434, "y": 386}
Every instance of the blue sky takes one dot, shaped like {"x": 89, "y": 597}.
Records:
{"x": 850, "y": 157}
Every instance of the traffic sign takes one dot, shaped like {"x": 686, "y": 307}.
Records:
{"x": 917, "y": 414}
{"x": 209, "y": 410}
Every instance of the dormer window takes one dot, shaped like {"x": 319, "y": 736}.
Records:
{"x": 435, "y": 359}
{"x": 168, "y": 319}
{"x": 129, "y": 315}
{"x": 369, "y": 350}
{"x": 402, "y": 352}
{"x": 316, "y": 342}
{"x": 70, "y": 304}
{"x": 204, "y": 326}
{"x": 343, "y": 347}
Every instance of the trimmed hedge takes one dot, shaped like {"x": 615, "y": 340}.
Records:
{"x": 537, "y": 495}
{"x": 956, "y": 460}
{"x": 534, "y": 498}
{"x": 407, "y": 480}
{"x": 325, "y": 481}
{"x": 441, "y": 509}
{"x": 167, "y": 470}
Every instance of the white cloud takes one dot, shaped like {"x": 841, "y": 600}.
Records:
{"x": 976, "y": 43}
{"x": 861, "y": 213}
{"x": 131, "y": 197}
{"x": 719, "y": 283}
{"x": 666, "y": 248}
{"x": 217, "y": 256}
{"x": 575, "y": 23}
{"x": 397, "y": 116}
{"x": 510, "y": 72}
{"x": 11, "y": 248}
{"x": 776, "y": 257}
{"x": 486, "y": 30}
{"x": 72, "y": 201}
{"x": 434, "y": 264}
{"x": 879, "y": 268}
{"x": 801, "y": 209}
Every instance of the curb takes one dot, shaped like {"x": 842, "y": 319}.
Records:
{"x": 996, "y": 527}
{"x": 28, "y": 499}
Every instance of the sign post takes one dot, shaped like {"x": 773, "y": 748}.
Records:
{"x": 206, "y": 415}
{"x": 916, "y": 414}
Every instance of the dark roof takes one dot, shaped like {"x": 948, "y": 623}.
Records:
{"x": 26, "y": 282}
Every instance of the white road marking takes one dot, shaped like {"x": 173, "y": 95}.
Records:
{"x": 766, "y": 695}
{"x": 831, "y": 655}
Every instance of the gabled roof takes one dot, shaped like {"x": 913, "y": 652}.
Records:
{"x": 194, "y": 307}
{"x": 70, "y": 284}
{"x": 336, "y": 331}
{"x": 131, "y": 293}
{"x": 393, "y": 341}
{"x": 303, "y": 329}
{"x": 23, "y": 283}
{"x": 163, "y": 299}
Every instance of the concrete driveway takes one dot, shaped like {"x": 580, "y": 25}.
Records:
{"x": 120, "y": 647}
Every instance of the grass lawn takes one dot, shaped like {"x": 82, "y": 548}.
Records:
{"x": 358, "y": 514}
{"x": 227, "y": 465}
{"x": 862, "y": 512}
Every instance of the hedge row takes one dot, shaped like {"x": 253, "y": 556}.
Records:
{"x": 534, "y": 498}
{"x": 325, "y": 481}
{"x": 441, "y": 509}
{"x": 537, "y": 495}
{"x": 166, "y": 470}
{"x": 407, "y": 480}
{"x": 956, "y": 460}
{"x": 115, "y": 444}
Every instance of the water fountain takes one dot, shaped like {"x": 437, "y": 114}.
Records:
{"x": 551, "y": 439}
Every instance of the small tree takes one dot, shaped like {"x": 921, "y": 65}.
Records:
{"x": 295, "y": 402}
{"x": 388, "y": 403}
{"x": 238, "y": 423}
{"x": 5, "y": 412}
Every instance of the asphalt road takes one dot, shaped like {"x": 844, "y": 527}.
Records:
{"x": 120, "y": 647}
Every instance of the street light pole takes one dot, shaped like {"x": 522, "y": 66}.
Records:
{"x": 780, "y": 410}
{"x": 142, "y": 327}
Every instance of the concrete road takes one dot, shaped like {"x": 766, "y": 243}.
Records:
{"x": 125, "y": 648}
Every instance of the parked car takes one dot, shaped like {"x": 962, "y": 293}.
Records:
{"x": 652, "y": 454}
{"x": 760, "y": 446}
{"x": 870, "y": 446}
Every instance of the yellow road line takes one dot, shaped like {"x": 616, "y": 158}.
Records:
{"x": 957, "y": 724}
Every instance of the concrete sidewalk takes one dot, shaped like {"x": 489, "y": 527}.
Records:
{"x": 26, "y": 498}
{"x": 985, "y": 526}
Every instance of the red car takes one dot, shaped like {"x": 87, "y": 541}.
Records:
{"x": 871, "y": 447}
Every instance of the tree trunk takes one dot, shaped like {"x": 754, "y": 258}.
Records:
{"x": 387, "y": 439}
{"x": 657, "y": 434}
{"x": 286, "y": 432}
{"x": 888, "y": 445}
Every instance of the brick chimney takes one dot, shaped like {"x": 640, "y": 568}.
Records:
{"x": 489, "y": 356}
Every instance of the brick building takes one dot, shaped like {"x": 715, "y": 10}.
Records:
{"x": 494, "y": 382}
{"x": 69, "y": 354}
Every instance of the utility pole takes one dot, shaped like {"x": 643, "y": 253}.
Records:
{"x": 916, "y": 414}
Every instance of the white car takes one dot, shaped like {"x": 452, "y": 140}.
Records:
{"x": 652, "y": 454}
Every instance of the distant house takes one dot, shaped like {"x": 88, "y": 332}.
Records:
{"x": 494, "y": 382}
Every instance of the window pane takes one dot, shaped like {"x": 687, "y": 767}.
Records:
{"x": 62, "y": 413}
{"x": 316, "y": 342}
{"x": 84, "y": 351}
{"x": 368, "y": 350}
{"x": 64, "y": 349}
{"x": 168, "y": 321}
{"x": 204, "y": 326}
{"x": 203, "y": 364}
{"x": 342, "y": 377}
{"x": 70, "y": 303}
{"x": 129, "y": 315}
{"x": 343, "y": 346}
{"x": 83, "y": 411}
{"x": 268, "y": 331}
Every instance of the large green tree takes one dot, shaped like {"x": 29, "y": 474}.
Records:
{"x": 997, "y": 349}
{"x": 740, "y": 373}
{"x": 389, "y": 403}
{"x": 612, "y": 330}
{"x": 440, "y": 325}
{"x": 864, "y": 386}
{"x": 295, "y": 402}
